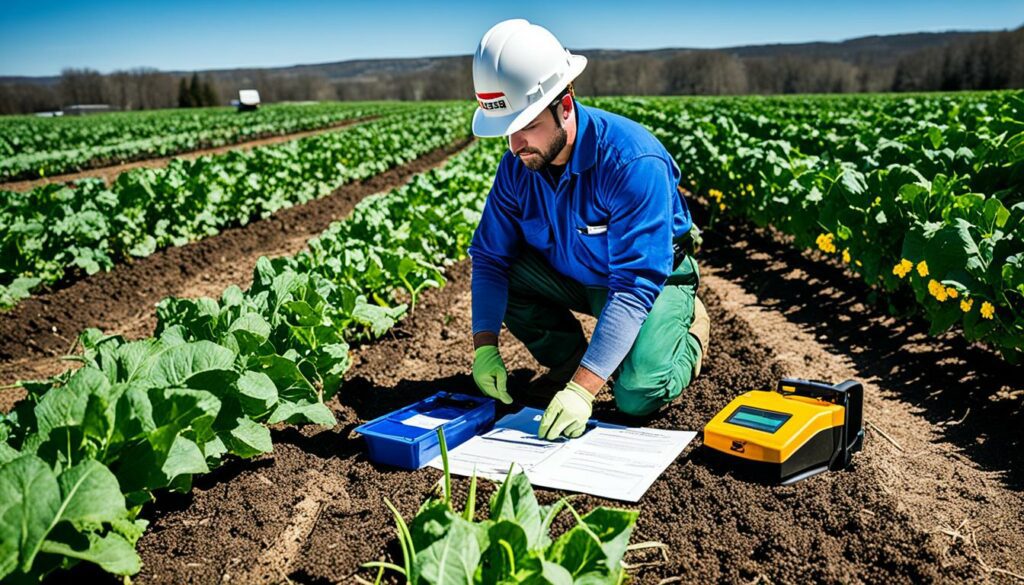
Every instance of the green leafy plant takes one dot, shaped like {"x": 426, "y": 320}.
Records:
{"x": 87, "y": 227}
{"x": 151, "y": 414}
{"x": 513, "y": 545}
{"x": 33, "y": 147}
{"x": 921, "y": 196}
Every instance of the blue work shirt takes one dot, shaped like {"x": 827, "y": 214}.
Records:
{"x": 609, "y": 222}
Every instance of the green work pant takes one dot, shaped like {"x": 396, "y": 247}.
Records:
{"x": 658, "y": 366}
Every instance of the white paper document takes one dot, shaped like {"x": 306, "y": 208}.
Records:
{"x": 424, "y": 422}
{"x": 610, "y": 461}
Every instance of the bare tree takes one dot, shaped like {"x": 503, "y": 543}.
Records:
{"x": 82, "y": 86}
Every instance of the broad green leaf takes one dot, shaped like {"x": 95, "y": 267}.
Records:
{"x": 249, "y": 438}
{"x": 29, "y": 502}
{"x": 33, "y": 503}
{"x": 90, "y": 493}
{"x": 301, "y": 314}
{"x": 430, "y": 524}
{"x": 613, "y": 528}
{"x": 256, "y": 393}
{"x": 136, "y": 355}
{"x": 65, "y": 406}
{"x": 291, "y": 383}
{"x": 535, "y": 570}
{"x": 7, "y": 453}
{"x": 995, "y": 214}
{"x": 180, "y": 408}
{"x": 376, "y": 318}
{"x": 303, "y": 412}
{"x": 178, "y": 363}
{"x": 183, "y": 458}
{"x": 506, "y": 553}
{"x": 910, "y": 192}
{"x": 579, "y": 552}
{"x": 112, "y": 552}
{"x": 250, "y": 330}
{"x": 596, "y": 545}
{"x": 452, "y": 559}
{"x": 515, "y": 501}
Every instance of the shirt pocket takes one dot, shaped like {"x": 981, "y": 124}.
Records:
{"x": 591, "y": 241}
{"x": 537, "y": 233}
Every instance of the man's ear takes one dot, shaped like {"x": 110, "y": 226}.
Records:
{"x": 566, "y": 106}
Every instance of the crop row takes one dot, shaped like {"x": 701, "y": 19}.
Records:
{"x": 82, "y": 454}
{"x": 87, "y": 226}
{"x": 921, "y": 196}
{"x": 33, "y": 147}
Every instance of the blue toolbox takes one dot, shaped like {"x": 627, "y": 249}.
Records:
{"x": 407, "y": 437}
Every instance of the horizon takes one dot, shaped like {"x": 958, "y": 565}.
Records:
{"x": 195, "y": 37}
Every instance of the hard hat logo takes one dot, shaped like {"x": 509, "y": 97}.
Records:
{"x": 493, "y": 101}
{"x": 518, "y": 68}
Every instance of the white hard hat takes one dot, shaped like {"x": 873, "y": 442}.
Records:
{"x": 517, "y": 70}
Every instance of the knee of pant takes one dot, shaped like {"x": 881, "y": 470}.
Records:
{"x": 640, "y": 401}
{"x": 634, "y": 406}
{"x": 637, "y": 379}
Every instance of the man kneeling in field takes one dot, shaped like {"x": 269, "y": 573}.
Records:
{"x": 584, "y": 215}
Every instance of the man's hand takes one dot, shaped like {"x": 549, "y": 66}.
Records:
{"x": 489, "y": 373}
{"x": 567, "y": 413}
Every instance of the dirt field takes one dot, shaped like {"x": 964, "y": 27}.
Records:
{"x": 313, "y": 511}
{"x": 934, "y": 497}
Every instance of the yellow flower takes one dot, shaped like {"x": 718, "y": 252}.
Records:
{"x": 903, "y": 268}
{"x": 721, "y": 206}
{"x": 858, "y": 263}
{"x": 965, "y": 305}
{"x": 846, "y": 256}
{"x": 937, "y": 290}
{"x": 825, "y": 243}
{"x": 922, "y": 268}
{"x": 750, "y": 188}
{"x": 987, "y": 310}
{"x": 951, "y": 292}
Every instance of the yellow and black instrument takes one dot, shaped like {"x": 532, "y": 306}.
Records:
{"x": 801, "y": 429}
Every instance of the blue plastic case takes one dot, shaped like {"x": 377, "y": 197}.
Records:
{"x": 392, "y": 442}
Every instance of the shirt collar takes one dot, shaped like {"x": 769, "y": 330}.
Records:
{"x": 584, "y": 150}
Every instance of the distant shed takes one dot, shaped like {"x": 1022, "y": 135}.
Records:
{"x": 248, "y": 100}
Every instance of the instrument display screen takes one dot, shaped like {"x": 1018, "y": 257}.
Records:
{"x": 758, "y": 419}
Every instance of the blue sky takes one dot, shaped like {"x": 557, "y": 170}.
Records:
{"x": 41, "y": 37}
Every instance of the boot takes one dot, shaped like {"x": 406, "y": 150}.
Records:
{"x": 700, "y": 329}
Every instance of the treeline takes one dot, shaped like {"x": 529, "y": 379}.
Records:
{"x": 992, "y": 61}
{"x": 197, "y": 94}
{"x": 136, "y": 89}
{"x": 973, "y": 62}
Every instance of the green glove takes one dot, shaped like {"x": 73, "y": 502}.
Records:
{"x": 489, "y": 373}
{"x": 567, "y": 413}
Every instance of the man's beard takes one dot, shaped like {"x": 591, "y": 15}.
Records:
{"x": 544, "y": 158}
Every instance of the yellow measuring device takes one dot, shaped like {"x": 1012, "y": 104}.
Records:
{"x": 800, "y": 429}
